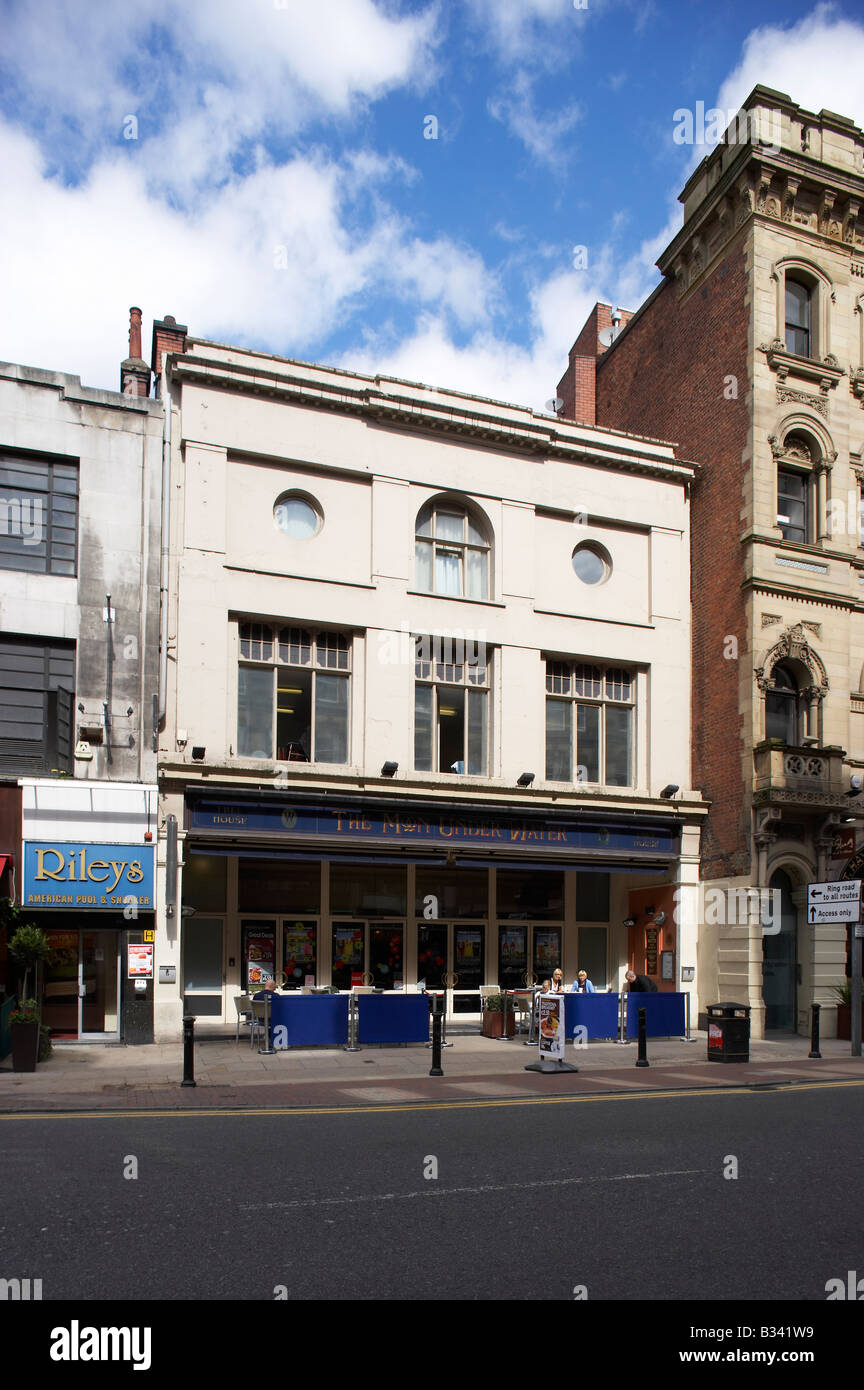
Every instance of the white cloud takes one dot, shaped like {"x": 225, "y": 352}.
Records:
{"x": 542, "y": 137}
{"x": 817, "y": 62}
{"x": 203, "y": 78}
{"x": 519, "y": 29}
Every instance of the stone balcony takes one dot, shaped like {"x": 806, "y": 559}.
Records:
{"x": 802, "y": 779}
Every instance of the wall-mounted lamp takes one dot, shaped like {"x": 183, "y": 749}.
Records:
{"x": 629, "y": 922}
{"x": 669, "y": 790}
{"x": 525, "y": 779}
{"x": 198, "y": 754}
{"x": 660, "y": 919}
{"x": 389, "y": 769}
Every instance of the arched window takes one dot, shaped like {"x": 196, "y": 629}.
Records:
{"x": 452, "y": 551}
{"x": 783, "y": 707}
{"x": 799, "y": 306}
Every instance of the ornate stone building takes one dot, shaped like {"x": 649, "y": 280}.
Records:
{"x": 750, "y": 354}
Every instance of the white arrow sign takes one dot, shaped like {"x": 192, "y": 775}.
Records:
{"x": 834, "y": 902}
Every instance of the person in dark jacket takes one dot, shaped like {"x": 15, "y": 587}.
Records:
{"x": 640, "y": 984}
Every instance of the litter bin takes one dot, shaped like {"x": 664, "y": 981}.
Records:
{"x": 728, "y": 1032}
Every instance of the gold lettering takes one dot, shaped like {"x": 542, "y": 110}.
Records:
{"x": 136, "y": 873}
{"x": 42, "y": 872}
{"x": 98, "y": 864}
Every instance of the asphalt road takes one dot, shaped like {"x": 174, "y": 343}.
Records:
{"x": 622, "y": 1198}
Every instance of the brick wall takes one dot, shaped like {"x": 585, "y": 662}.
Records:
{"x": 665, "y": 378}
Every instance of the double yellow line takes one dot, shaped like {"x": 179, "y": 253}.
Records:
{"x": 396, "y": 1108}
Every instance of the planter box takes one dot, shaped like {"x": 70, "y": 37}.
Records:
{"x": 25, "y": 1046}
{"x": 492, "y": 1025}
{"x": 844, "y": 1022}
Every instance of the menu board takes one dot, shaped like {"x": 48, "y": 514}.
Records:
{"x": 651, "y": 935}
{"x": 550, "y": 1030}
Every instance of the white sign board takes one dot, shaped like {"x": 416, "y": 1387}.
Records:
{"x": 551, "y": 1027}
{"x": 834, "y": 902}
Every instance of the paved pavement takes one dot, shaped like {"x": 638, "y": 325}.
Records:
{"x": 119, "y": 1078}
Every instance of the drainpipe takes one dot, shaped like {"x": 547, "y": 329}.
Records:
{"x": 163, "y": 569}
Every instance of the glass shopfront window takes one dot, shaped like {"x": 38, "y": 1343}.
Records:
{"x": 459, "y": 892}
{"x": 205, "y": 878}
{"x": 367, "y": 954}
{"x": 535, "y": 894}
{"x": 367, "y": 890}
{"x": 279, "y": 885}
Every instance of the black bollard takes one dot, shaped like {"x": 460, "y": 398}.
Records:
{"x": 188, "y": 1051}
{"x": 814, "y": 1033}
{"x": 437, "y": 1010}
{"x": 642, "y": 1060}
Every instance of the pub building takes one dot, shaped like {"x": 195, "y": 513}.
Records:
{"x": 427, "y": 692}
{"x": 340, "y": 891}
{"x": 87, "y": 880}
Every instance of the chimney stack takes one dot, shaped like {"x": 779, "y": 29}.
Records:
{"x": 168, "y": 336}
{"x": 134, "y": 372}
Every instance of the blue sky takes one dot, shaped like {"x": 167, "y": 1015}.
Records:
{"x": 277, "y": 189}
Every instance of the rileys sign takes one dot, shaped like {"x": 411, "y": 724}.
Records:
{"x": 401, "y": 825}
{"x": 102, "y": 877}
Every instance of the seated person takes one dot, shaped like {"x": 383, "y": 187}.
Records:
{"x": 267, "y": 992}
{"x": 557, "y": 981}
{"x": 582, "y": 985}
{"x": 546, "y": 987}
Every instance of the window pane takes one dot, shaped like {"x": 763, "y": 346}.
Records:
{"x": 332, "y": 651}
{"x": 449, "y": 526}
{"x": 424, "y": 522}
{"x": 205, "y": 880}
{"x": 255, "y": 642}
{"x": 477, "y": 732}
{"x": 432, "y": 956}
{"x": 451, "y": 729}
{"x": 448, "y": 572}
{"x": 534, "y": 894}
{"x": 477, "y": 572}
{"x": 293, "y": 715}
{"x": 592, "y": 900}
{"x": 331, "y": 719}
{"x": 618, "y": 684}
{"x": 385, "y": 957}
{"x": 423, "y": 699}
{"x": 780, "y": 716}
{"x": 299, "y": 953}
{"x": 423, "y": 553}
{"x": 295, "y": 646}
{"x": 348, "y": 945}
{"x": 587, "y": 681}
{"x": 460, "y": 892}
{"x": 368, "y": 890}
{"x": 278, "y": 885}
{"x": 588, "y": 743}
{"x": 296, "y": 518}
{"x": 797, "y": 304}
{"x": 557, "y": 678}
{"x": 559, "y": 735}
{"x": 619, "y": 724}
{"x": 475, "y": 535}
{"x": 255, "y": 713}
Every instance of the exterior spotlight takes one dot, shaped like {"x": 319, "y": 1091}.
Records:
{"x": 525, "y": 779}
{"x": 669, "y": 790}
{"x": 629, "y": 922}
{"x": 389, "y": 769}
{"x": 660, "y": 919}
{"x": 198, "y": 754}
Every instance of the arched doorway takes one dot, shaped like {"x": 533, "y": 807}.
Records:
{"x": 780, "y": 961}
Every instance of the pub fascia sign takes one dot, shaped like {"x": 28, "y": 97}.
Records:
{"x": 399, "y": 825}
{"x": 93, "y": 876}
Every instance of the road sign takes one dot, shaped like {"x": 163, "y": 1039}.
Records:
{"x": 834, "y": 902}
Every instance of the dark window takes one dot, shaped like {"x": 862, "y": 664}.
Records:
{"x": 532, "y": 894}
{"x": 311, "y": 705}
{"x": 782, "y": 707}
{"x": 37, "y": 681}
{"x": 451, "y": 706}
{"x": 593, "y": 708}
{"x": 592, "y": 898}
{"x": 38, "y": 515}
{"x": 793, "y": 505}
{"x": 279, "y": 885}
{"x": 798, "y": 305}
{"x": 367, "y": 890}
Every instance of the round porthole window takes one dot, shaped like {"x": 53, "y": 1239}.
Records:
{"x": 591, "y": 563}
{"x": 297, "y": 516}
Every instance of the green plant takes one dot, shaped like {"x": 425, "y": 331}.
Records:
{"x": 26, "y": 1012}
{"x": 28, "y": 946}
{"x": 45, "y": 1044}
{"x": 494, "y": 1003}
{"x": 843, "y": 993}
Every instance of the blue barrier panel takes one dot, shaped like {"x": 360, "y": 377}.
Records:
{"x": 664, "y": 1015}
{"x": 392, "y": 1018}
{"x": 309, "y": 1020}
{"x": 596, "y": 1012}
